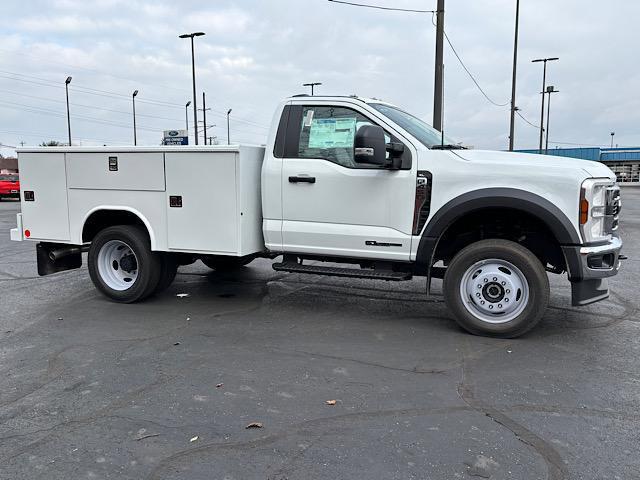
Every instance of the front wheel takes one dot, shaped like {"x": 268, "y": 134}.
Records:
{"x": 496, "y": 288}
{"x": 122, "y": 265}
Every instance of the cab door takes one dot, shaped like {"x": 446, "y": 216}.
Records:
{"x": 331, "y": 205}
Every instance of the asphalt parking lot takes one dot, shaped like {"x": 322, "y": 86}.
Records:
{"x": 165, "y": 389}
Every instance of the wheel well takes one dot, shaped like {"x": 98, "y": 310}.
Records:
{"x": 505, "y": 223}
{"x": 102, "y": 219}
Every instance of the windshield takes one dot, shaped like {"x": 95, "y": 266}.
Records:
{"x": 426, "y": 134}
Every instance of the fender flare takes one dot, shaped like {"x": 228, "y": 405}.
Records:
{"x": 561, "y": 227}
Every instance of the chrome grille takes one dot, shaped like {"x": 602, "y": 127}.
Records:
{"x": 613, "y": 207}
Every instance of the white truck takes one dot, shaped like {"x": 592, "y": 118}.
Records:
{"x": 345, "y": 186}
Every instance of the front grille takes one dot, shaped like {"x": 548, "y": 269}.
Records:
{"x": 612, "y": 211}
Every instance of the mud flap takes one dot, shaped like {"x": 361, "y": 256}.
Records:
{"x": 47, "y": 264}
{"x": 587, "y": 292}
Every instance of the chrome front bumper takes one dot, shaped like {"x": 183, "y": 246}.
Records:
{"x": 589, "y": 267}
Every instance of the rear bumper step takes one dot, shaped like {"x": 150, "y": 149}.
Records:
{"x": 295, "y": 267}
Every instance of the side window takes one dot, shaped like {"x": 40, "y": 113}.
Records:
{"x": 329, "y": 133}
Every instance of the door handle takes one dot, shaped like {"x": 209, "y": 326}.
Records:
{"x": 301, "y": 179}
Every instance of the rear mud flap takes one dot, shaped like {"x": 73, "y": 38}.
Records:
{"x": 48, "y": 263}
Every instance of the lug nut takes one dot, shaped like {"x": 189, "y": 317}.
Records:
{"x": 482, "y": 302}
{"x": 504, "y": 283}
{"x": 508, "y": 291}
{"x": 479, "y": 286}
{"x": 499, "y": 305}
{"x": 506, "y": 300}
{"x": 490, "y": 307}
{"x": 495, "y": 279}
{"x": 478, "y": 295}
{"x": 486, "y": 280}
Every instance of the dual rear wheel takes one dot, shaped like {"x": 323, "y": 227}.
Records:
{"x": 123, "y": 267}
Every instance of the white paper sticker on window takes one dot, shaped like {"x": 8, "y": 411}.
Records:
{"x": 332, "y": 133}
{"x": 308, "y": 118}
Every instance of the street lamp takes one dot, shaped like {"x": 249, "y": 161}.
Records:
{"x": 186, "y": 115}
{"x": 66, "y": 88}
{"x": 133, "y": 97}
{"x": 550, "y": 89}
{"x": 314, "y": 84}
{"x": 193, "y": 72}
{"x": 613, "y": 134}
{"x": 228, "y": 128}
{"x": 544, "y": 87}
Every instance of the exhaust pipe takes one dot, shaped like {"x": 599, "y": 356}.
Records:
{"x": 59, "y": 253}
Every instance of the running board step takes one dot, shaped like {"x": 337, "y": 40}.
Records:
{"x": 295, "y": 267}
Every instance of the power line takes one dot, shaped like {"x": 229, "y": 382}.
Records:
{"x": 455, "y": 52}
{"x": 114, "y": 95}
{"x": 379, "y": 7}
{"x": 526, "y": 120}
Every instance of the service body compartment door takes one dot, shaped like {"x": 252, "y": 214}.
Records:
{"x": 46, "y": 216}
{"x": 116, "y": 171}
{"x": 204, "y": 215}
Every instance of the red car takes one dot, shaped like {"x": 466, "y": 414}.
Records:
{"x": 9, "y": 185}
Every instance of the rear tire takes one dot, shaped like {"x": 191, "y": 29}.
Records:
{"x": 122, "y": 265}
{"x": 168, "y": 271}
{"x": 225, "y": 264}
{"x": 496, "y": 288}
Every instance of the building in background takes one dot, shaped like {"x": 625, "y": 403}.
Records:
{"x": 625, "y": 162}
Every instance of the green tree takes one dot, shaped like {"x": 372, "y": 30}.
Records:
{"x": 51, "y": 143}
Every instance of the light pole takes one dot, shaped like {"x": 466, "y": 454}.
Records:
{"x": 66, "y": 88}
{"x": 314, "y": 84}
{"x": 550, "y": 89}
{"x": 543, "y": 92}
{"x": 228, "y": 128}
{"x": 513, "y": 79}
{"x": 133, "y": 97}
{"x": 613, "y": 134}
{"x": 186, "y": 115}
{"x": 193, "y": 72}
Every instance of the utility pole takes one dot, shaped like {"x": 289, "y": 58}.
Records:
{"x": 193, "y": 73}
{"x": 550, "y": 89}
{"x": 314, "y": 84}
{"x": 438, "y": 84}
{"x": 66, "y": 87}
{"x": 204, "y": 118}
{"x": 228, "y": 128}
{"x": 543, "y": 92}
{"x": 135, "y": 138}
{"x": 513, "y": 79}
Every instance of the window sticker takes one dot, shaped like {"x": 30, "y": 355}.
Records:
{"x": 332, "y": 133}
{"x": 308, "y": 118}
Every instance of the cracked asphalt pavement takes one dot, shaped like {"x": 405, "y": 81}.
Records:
{"x": 164, "y": 389}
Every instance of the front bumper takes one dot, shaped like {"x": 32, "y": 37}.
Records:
{"x": 589, "y": 267}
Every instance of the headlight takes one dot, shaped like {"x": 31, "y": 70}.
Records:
{"x": 593, "y": 206}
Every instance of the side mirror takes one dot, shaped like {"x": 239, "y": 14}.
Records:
{"x": 370, "y": 145}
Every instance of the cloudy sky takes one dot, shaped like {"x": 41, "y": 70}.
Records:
{"x": 257, "y": 52}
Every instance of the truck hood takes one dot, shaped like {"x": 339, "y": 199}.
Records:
{"x": 592, "y": 168}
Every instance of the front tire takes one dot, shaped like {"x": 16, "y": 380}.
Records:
{"x": 122, "y": 265}
{"x": 496, "y": 288}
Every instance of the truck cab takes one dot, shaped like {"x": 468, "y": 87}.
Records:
{"x": 352, "y": 187}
